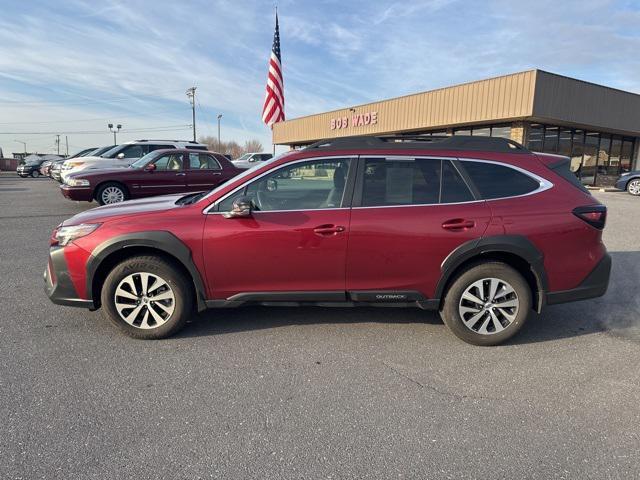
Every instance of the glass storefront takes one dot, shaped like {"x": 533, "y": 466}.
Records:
{"x": 503, "y": 131}
{"x": 596, "y": 158}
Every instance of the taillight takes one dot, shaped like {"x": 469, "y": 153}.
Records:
{"x": 594, "y": 215}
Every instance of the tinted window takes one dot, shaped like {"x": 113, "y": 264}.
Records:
{"x": 400, "y": 182}
{"x": 170, "y": 161}
{"x": 196, "y": 147}
{"x": 302, "y": 186}
{"x": 132, "y": 151}
{"x": 497, "y": 181}
{"x": 202, "y": 161}
{"x": 151, "y": 148}
{"x": 454, "y": 188}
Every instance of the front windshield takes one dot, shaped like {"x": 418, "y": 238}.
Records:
{"x": 246, "y": 156}
{"x": 245, "y": 174}
{"x": 142, "y": 161}
{"x": 112, "y": 152}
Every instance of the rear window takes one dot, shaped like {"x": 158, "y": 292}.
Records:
{"x": 498, "y": 181}
{"x": 562, "y": 168}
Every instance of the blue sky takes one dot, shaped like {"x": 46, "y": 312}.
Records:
{"x": 75, "y": 65}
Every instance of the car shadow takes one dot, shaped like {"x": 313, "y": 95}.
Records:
{"x": 616, "y": 313}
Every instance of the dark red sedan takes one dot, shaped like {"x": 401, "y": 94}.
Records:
{"x": 157, "y": 173}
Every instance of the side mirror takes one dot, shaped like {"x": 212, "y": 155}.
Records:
{"x": 241, "y": 208}
{"x": 120, "y": 156}
{"x": 150, "y": 167}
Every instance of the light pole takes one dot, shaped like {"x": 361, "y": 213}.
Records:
{"x": 24, "y": 143}
{"x": 114, "y": 131}
{"x": 219, "y": 117}
{"x": 191, "y": 93}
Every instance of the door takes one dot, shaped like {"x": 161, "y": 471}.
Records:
{"x": 408, "y": 215}
{"x": 205, "y": 172}
{"x": 294, "y": 244}
{"x": 167, "y": 177}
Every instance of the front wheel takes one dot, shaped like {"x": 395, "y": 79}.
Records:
{"x": 35, "y": 174}
{"x": 110, "y": 193}
{"x": 147, "y": 297}
{"x": 633, "y": 187}
{"x": 487, "y": 304}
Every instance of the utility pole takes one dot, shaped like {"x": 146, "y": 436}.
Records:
{"x": 66, "y": 139}
{"x": 219, "y": 117}
{"x": 114, "y": 131}
{"x": 58, "y": 143}
{"x": 191, "y": 93}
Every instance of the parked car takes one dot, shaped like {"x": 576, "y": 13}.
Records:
{"x": 157, "y": 173}
{"x": 249, "y": 160}
{"x": 478, "y": 228}
{"x": 56, "y": 169}
{"x": 121, "y": 156}
{"x": 45, "y": 167}
{"x": 629, "y": 181}
{"x": 30, "y": 167}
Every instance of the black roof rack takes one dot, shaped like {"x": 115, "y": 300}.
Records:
{"x": 421, "y": 142}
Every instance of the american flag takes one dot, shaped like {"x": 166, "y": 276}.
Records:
{"x": 273, "y": 109}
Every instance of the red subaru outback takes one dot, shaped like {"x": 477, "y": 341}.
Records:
{"x": 480, "y": 229}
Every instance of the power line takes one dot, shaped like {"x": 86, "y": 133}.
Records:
{"x": 88, "y": 100}
{"x": 93, "y": 132}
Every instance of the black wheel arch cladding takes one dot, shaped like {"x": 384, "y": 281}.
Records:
{"x": 160, "y": 240}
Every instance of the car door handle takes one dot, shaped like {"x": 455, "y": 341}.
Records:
{"x": 216, "y": 173}
{"x": 328, "y": 230}
{"x": 182, "y": 174}
{"x": 458, "y": 224}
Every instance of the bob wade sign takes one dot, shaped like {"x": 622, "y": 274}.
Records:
{"x": 356, "y": 120}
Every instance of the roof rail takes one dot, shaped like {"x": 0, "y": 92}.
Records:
{"x": 421, "y": 142}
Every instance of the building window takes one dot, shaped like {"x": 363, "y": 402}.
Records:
{"x": 625, "y": 154}
{"x": 551, "y": 139}
{"x": 462, "y": 131}
{"x": 502, "y": 131}
{"x": 564, "y": 142}
{"x": 481, "y": 132}
{"x": 535, "y": 137}
{"x": 577, "y": 149}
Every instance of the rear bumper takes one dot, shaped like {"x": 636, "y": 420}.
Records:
{"x": 81, "y": 194}
{"x": 57, "y": 282}
{"x": 594, "y": 285}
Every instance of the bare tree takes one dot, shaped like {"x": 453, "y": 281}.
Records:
{"x": 232, "y": 147}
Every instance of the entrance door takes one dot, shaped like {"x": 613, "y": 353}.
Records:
{"x": 294, "y": 244}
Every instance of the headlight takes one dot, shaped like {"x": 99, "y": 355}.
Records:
{"x": 64, "y": 235}
{"x": 77, "y": 182}
{"x": 70, "y": 165}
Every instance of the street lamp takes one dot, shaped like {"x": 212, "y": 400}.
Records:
{"x": 191, "y": 94}
{"x": 24, "y": 143}
{"x": 219, "y": 117}
{"x": 114, "y": 131}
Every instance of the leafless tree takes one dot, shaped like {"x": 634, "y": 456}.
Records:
{"x": 232, "y": 147}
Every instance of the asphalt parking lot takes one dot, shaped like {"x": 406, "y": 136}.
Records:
{"x": 309, "y": 392}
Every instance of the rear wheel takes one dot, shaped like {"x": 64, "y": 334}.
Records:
{"x": 633, "y": 187}
{"x": 147, "y": 297}
{"x": 35, "y": 174}
{"x": 487, "y": 304}
{"x": 110, "y": 193}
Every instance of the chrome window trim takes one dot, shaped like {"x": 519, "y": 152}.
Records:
{"x": 207, "y": 209}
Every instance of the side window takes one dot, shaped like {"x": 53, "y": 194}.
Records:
{"x": 454, "y": 188}
{"x": 202, "y": 161}
{"x": 401, "y": 182}
{"x": 310, "y": 185}
{"x": 498, "y": 181}
{"x": 170, "y": 161}
{"x": 133, "y": 151}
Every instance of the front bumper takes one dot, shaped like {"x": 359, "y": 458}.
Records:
{"x": 81, "y": 194}
{"x": 594, "y": 285}
{"x": 621, "y": 183}
{"x": 58, "y": 284}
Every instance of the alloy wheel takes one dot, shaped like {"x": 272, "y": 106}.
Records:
{"x": 488, "y": 306}
{"x": 112, "y": 195}
{"x": 634, "y": 187}
{"x": 144, "y": 300}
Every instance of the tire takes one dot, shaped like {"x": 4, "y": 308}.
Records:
{"x": 151, "y": 321}
{"x": 485, "y": 323}
{"x": 111, "y": 192}
{"x": 35, "y": 174}
{"x": 633, "y": 187}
